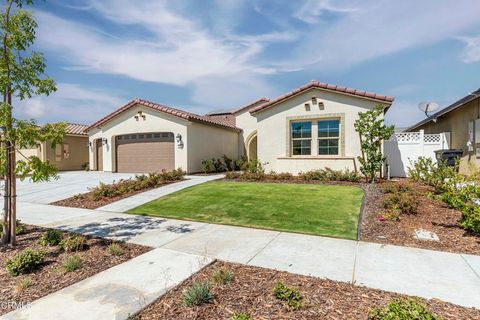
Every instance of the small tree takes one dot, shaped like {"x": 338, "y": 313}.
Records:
{"x": 22, "y": 75}
{"x": 372, "y": 132}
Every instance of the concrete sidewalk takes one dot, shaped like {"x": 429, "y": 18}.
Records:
{"x": 117, "y": 292}
{"x": 144, "y": 197}
{"x": 430, "y": 274}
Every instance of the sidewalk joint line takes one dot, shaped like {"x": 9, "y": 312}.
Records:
{"x": 471, "y": 268}
{"x": 355, "y": 262}
{"x": 261, "y": 249}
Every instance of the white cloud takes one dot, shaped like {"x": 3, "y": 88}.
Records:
{"x": 70, "y": 102}
{"x": 384, "y": 27}
{"x": 471, "y": 52}
{"x": 313, "y": 10}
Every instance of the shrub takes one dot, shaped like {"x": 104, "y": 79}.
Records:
{"x": 233, "y": 175}
{"x": 51, "y": 238}
{"x": 72, "y": 263}
{"x": 222, "y": 276}
{"x": 291, "y": 296}
{"x": 403, "y": 309}
{"x": 199, "y": 293}
{"x": 229, "y": 166}
{"x": 218, "y": 165}
{"x": 207, "y": 166}
{"x": 328, "y": 174}
{"x": 115, "y": 249}
{"x": 25, "y": 262}
{"x": 241, "y": 316}
{"x": 23, "y": 284}
{"x": 395, "y": 187}
{"x": 74, "y": 243}
{"x": 403, "y": 202}
{"x": 20, "y": 228}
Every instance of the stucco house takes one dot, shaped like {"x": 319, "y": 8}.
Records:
{"x": 308, "y": 128}
{"x": 462, "y": 120}
{"x": 71, "y": 154}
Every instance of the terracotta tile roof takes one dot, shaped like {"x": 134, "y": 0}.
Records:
{"x": 240, "y": 109}
{"x": 75, "y": 128}
{"x": 324, "y": 86}
{"x": 168, "y": 110}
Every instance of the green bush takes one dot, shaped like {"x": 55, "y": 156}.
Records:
{"x": 24, "y": 284}
{"x": 72, "y": 263}
{"x": 199, "y": 293}
{"x": 403, "y": 309}
{"x": 233, "y": 175}
{"x": 395, "y": 187}
{"x": 207, "y": 166}
{"x": 291, "y": 296}
{"x": 241, "y": 316}
{"x": 115, "y": 249}
{"x": 51, "y": 238}
{"x": 222, "y": 276}
{"x": 328, "y": 174}
{"x": 403, "y": 202}
{"x": 25, "y": 261}
{"x": 74, "y": 243}
{"x": 228, "y": 162}
{"x": 20, "y": 228}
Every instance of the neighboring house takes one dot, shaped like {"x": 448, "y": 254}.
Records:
{"x": 309, "y": 128}
{"x": 72, "y": 154}
{"x": 462, "y": 120}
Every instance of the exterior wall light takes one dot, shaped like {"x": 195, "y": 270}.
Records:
{"x": 179, "y": 141}
{"x": 105, "y": 141}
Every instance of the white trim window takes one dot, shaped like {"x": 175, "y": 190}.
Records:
{"x": 328, "y": 137}
{"x": 301, "y": 138}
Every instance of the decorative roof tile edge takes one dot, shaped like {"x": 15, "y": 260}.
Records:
{"x": 165, "y": 109}
{"x": 324, "y": 86}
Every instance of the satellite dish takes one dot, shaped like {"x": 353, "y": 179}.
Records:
{"x": 427, "y": 107}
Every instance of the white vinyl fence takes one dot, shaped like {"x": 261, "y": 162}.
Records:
{"x": 406, "y": 147}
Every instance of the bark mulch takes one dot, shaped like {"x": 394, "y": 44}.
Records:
{"x": 85, "y": 201}
{"x": 251, "y": 291}
{"x": 433, "y": 215}
{"x": 51, "y": 276}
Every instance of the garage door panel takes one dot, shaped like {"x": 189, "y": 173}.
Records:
{"x": 145, "y": 152}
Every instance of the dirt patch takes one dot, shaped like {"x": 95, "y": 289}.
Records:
{"x": 51, "y": 276}
{"x": 433, "y": 215}
{"x": 251, "y": 291}
{"x": 86, "y": 201}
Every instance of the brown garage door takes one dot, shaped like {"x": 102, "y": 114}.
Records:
{"x": 145, "y": 152}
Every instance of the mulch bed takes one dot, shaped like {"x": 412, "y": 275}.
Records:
{"x": 433, "y": 215}
{"x": 85, "y": 201}
{"x": 251, "y": 292}
{"x": 51, "y": 276}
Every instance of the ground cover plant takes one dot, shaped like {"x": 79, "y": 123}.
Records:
{"x": 331, "y": 210}
{"x": 384, "y": 222}
{"x": 32, "y": 270}
{"x": 250, "y": 295}
{"x": 104, "y": 194}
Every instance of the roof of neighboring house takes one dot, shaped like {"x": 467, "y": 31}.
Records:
{"x": 324, "y": 86}
{"x": 168, "y": 110}
{"x": 457, "y": 104}
{"x": 75, "y": 128}
{"x": 240, "y": 109}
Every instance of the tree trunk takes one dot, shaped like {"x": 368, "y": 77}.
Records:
{"x": 13, "y": 180}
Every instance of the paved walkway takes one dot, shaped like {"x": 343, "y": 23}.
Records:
{"x": 144, "y": 197}
{"x": 430, "y": 274}
{"x": 117, "y": 292}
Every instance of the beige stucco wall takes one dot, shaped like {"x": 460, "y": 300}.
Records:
{"x": 456, "y": 122}
{"x": 78, "y": 153}
{"x": 206, "y": 142}
{"x": 248, "y": 124}
{"x": 28, "y": 152}
{"x": 273, "y": 131}
{"x": 125, "y": 123}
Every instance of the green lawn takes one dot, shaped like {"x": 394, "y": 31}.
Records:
{"x": 306, "y": 208}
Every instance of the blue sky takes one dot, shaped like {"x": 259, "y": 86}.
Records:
{"x": 219, "y": 54}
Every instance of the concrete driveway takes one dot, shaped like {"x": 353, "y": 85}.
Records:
{"x": 69, "y": 184}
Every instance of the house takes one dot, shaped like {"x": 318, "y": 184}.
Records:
{"x": 462, "y": 120}
{"x": 72, "y": 154}
{"x": 308, "y": 128}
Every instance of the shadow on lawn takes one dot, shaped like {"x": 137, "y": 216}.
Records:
{"x": 124, "y": 229}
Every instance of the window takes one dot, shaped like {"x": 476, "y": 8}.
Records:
{"x": 328, "y": 137}
{"x": 66, "y": 151}
{"x": 301, "y": 134}
{"x": 58, "y": 152}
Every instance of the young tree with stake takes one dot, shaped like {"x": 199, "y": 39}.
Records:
{"x": 22, "y": 75}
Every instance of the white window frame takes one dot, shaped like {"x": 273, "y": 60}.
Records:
{"x": 292, "y": 139}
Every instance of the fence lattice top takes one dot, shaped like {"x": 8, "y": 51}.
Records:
{"x": 415, "y": 137}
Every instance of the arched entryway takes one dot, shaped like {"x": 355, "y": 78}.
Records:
{"x": 252, "y": 147}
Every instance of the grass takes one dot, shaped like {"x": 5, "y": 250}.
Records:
{"x": 305, "y": 208}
